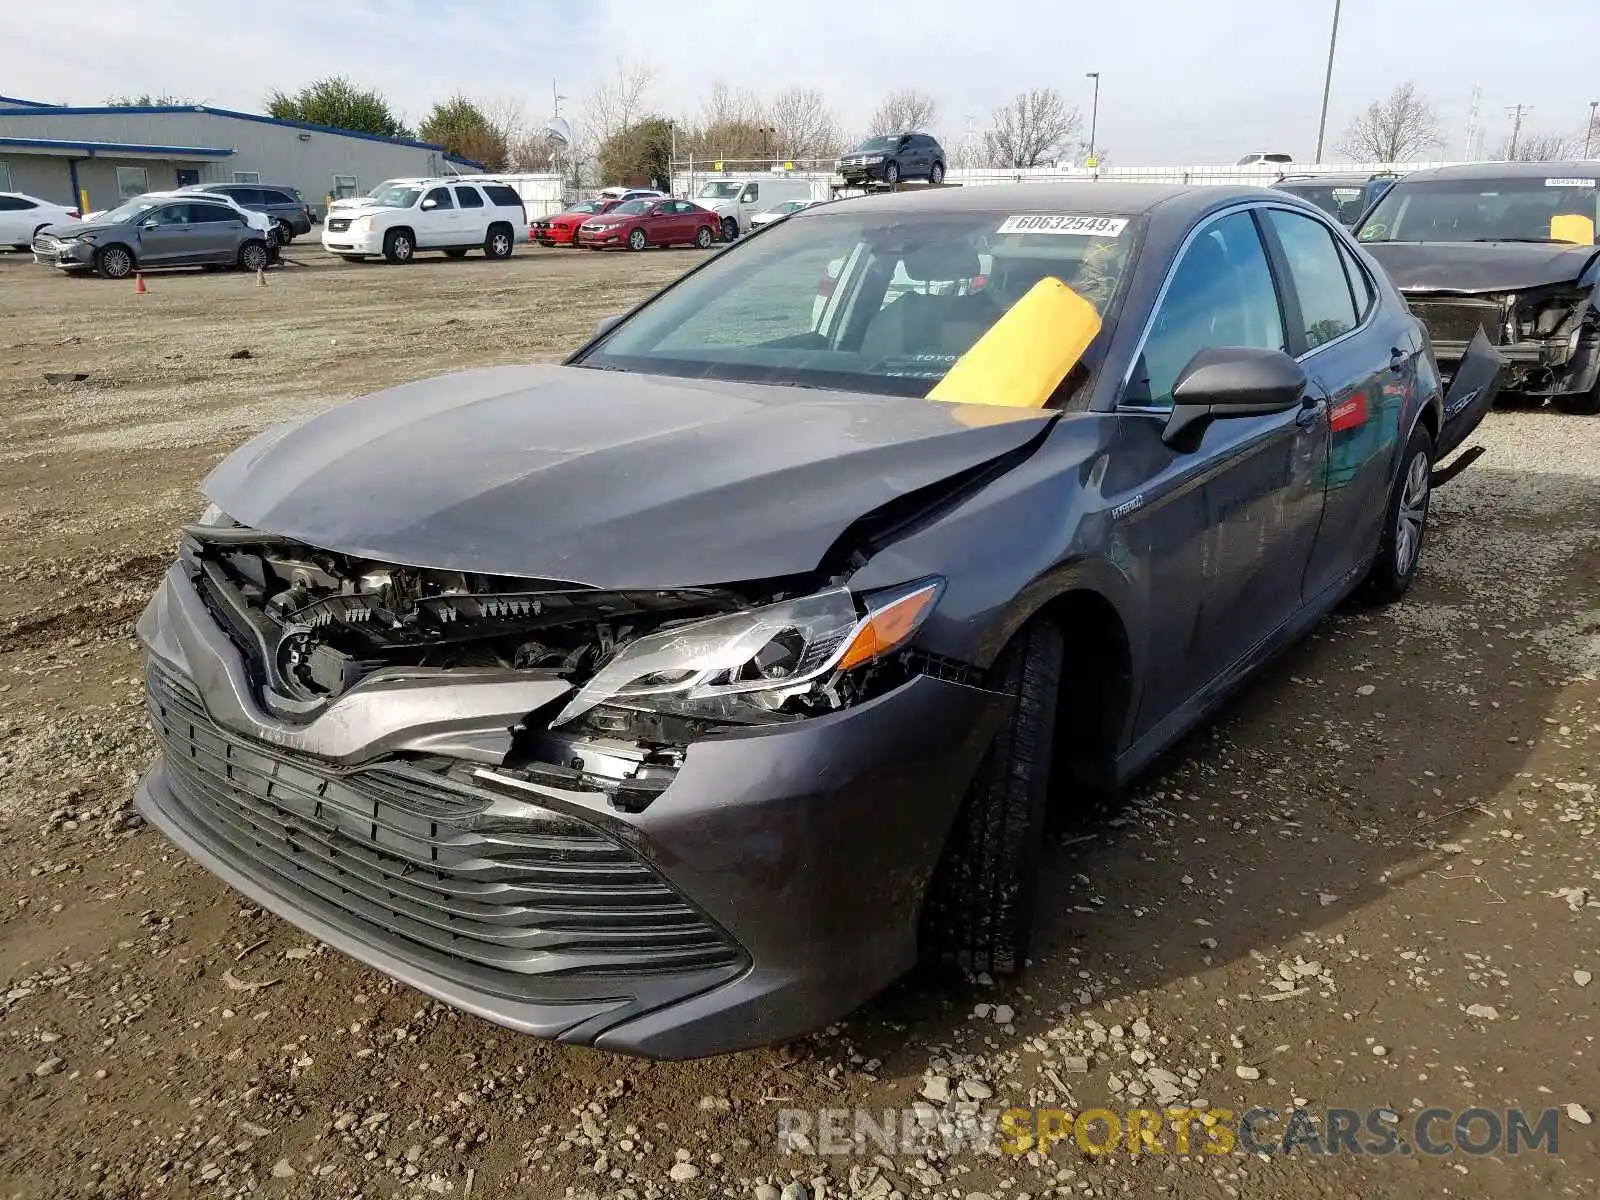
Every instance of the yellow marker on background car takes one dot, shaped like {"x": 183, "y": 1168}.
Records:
{"x": 1572, "y": 227}
{"x": 1023, "y": 357}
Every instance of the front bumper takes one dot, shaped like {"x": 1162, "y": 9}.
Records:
{"x": 351, "y": 241}
{"x": 72, "y": 256}
{"x": 1551, "y": 367}
{"x": 790, "y": 861}
{"x": 858, "y": 173}
{"x": 554, "y": 235}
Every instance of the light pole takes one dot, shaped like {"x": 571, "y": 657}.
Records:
{"x": 672, "y": 159}
{"x": 1094, "y": 112}
{"x": 1327, "y": 82}
{"x": 1588, "y": 134}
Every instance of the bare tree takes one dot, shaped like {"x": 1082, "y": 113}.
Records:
{"x": 1537, "y": 147}
{"x": 905, "y": 110}
{"x": 618, "y": 102}
{"x": 724, "y": 105}
{"x": 1037, "y": 126}
{"x": 802, "y": 124}
{"x": 1395, "y": 129}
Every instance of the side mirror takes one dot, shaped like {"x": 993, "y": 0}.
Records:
{"x": 1221, "y": 382}
{"x": 151, "y": 225}
{"x": 604, "y": 324}
{"x": 429, "y": 204}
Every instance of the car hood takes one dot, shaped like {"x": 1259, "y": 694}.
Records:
{"x": 605, "y": 478}
{"x": 1479, "y": 266}
{"x": 66, "y": 229}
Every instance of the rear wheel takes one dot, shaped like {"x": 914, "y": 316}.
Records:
{"x": 703, "y": 237}
{"x": 114, "y": 261}
{"x": 637, "y": 240}
{"x": 499, "y": 242}
{"x": 285, "y": 232}
{"x": 936, "y": 175}
{"x": 980, "y": 906}
{"x": 398, "y": 246}
{"x": 1404, "y": 524}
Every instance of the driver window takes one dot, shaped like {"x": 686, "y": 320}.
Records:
{"x": 1220, "y": 295}
{"x": 440, "y": 197}
{"x": 752, "y": 193}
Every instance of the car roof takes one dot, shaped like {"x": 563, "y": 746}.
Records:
{"x": 1334, "y": 180}
{"x": 1571, "y": 168}
{"x": 1129, "y": 199}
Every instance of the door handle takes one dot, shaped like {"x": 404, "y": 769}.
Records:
{"x": 1311, "y": 410}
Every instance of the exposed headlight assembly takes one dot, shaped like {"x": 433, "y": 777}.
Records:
{"x": 761, "y": 657}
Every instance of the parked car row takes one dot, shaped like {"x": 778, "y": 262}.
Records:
{"x": 161, "y": 229}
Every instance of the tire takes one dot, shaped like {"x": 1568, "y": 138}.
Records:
{"x": 703, "y": 237}
{"x": 254, "y": 256}
{"x": 730, "y": 229}
{"x": 1584, "y": 404}
{"x": 891, "y": 174}
{"x": 979, "y": 911}
{"x": 1405, "y": 523}
{"x": 637, "y": 240}
{"x": 398, "y": 246}
{"x": 936, "y": 173}
{"x": 455, "y": 253}
{"x": 499, "y": 243}
{"x": 115, "y": 261}
{"x": 285, "y": 233}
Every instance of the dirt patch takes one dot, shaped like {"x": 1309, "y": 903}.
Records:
{"x": 1366, "y": 885}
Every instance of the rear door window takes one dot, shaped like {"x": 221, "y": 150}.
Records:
{"x": 1361, "y": 285}
{"x": 1327, "y": 308}
{"x": 468, "y": 197}
{"x": 211, "y": 214}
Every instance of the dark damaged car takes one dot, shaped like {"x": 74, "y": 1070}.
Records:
{"x": 1508, "y": 248}
{"x": 678, "y": 698}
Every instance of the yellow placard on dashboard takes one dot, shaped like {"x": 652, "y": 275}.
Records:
{"x": 1022, "y": 358}
{"x": 1573, "y": 227}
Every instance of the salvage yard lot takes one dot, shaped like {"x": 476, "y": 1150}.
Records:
{"x": 1374, "y": 883}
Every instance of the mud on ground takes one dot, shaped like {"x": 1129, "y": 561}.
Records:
{"x": 1372, "y": 883}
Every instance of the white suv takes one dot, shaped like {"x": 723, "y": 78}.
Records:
{"x": 453, "y": 215}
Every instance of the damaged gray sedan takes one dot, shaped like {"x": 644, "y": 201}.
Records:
{"x": 677, "y": 699}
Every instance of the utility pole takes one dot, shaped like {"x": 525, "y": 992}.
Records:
{"x": 558, "y": 99}
{"x": 1516, "y": 128}
{"x": 1327, "y": 82}
{"x": 1094, "y": 113}
{"x": 1588, "y": 134}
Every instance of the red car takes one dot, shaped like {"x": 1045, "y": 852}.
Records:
{"x": 562, "y": 229}
{"x": 638, "y": 224}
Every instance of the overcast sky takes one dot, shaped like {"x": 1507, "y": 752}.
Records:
{"x": 1181, "y": 82}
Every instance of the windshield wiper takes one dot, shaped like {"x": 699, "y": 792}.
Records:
{"x": 1549, "y": 241}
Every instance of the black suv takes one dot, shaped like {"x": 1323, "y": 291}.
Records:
{"x": 1343, "y": 197}
{"x": 893, "y": 157}
{"x": 290, "y": 214}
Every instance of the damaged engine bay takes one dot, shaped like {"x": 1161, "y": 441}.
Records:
{"x": 311, "y": 624}
{"x": 1550, "y": 334}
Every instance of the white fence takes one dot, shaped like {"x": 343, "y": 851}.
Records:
{"x": 1261, "y": 175}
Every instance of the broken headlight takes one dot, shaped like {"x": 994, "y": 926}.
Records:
{"x": 762, "y": 657}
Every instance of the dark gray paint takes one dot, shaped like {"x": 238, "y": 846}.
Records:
{"x": 811, "y": 843}
{"x": 1466, "y": 268}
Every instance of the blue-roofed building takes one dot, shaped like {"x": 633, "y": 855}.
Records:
{"x": 100, "y": 156}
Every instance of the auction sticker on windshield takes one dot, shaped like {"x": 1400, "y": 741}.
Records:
{"x": 1077, "y": 224}
{"x": 1583, "y": 183}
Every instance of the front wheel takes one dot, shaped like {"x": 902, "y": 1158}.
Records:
{"x": 1405, "y": 523}
{"x": 979, "y": 911}
{"x": 398, "y": 246}
{"x": 730, "y": 229}
{"x": 114, "y": 262}
{"x": 891, "y": 174}
{"x": 254, "y": 256}
{"x": 703, "y": 237}
{"x": 637, "y": 240}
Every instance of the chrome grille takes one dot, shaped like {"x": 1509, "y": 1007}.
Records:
{"x": 402, "y": 851}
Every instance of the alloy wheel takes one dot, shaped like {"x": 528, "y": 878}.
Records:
{"x": 1412, "y": 513}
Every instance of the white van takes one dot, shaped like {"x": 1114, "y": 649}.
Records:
{"x": 735, "y": 198}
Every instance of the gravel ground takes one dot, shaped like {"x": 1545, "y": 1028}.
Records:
{"x": 1370, "y": 884}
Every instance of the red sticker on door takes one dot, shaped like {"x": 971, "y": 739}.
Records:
{"x": 1349, "y": 414}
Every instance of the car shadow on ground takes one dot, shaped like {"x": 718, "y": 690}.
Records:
{"x": 1331, "y": 779}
